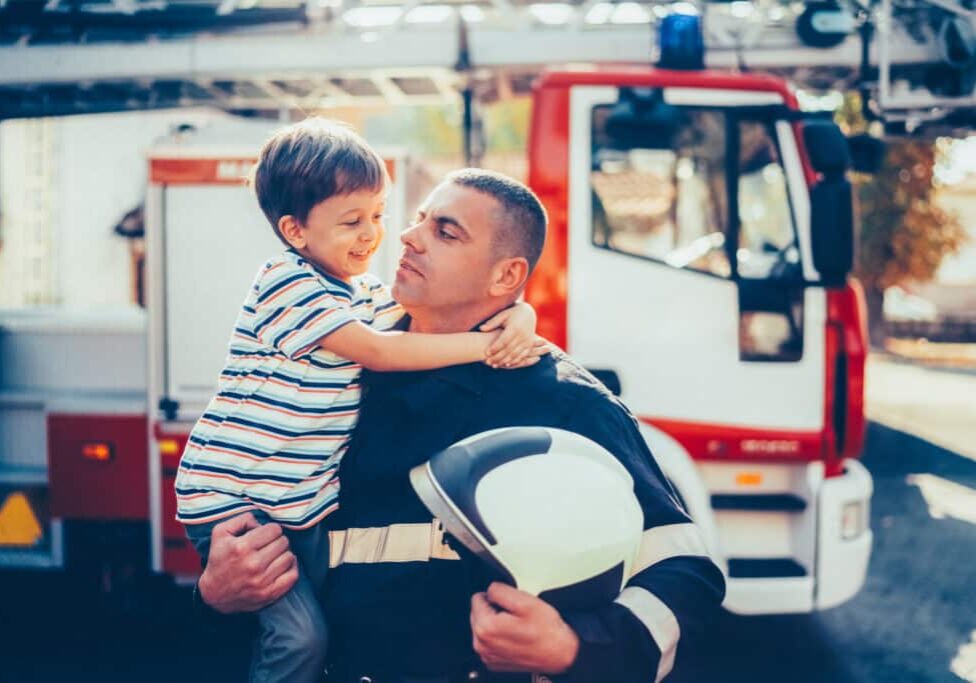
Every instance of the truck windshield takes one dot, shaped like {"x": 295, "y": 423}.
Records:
{"x": 671, "y": 204}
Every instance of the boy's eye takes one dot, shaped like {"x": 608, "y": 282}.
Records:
{"x": 352, "y": 224}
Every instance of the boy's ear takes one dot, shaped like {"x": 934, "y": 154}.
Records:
{"x": 509, "y": 277}
{"x": 292, "y": 231}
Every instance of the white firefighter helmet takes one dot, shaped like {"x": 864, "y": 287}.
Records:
{"x": 551, "y": 511}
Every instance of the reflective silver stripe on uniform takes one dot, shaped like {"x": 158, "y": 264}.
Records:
{"x": 394, "y": 543}
{"x": 658, "y": 619}
{"x": 664, "y": 542}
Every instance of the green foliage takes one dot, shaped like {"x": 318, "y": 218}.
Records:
{"x": 430, "y": 132}
{"x": 507, "y": 125}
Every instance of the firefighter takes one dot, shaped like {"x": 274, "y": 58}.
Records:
{"x": 399, "y": 601}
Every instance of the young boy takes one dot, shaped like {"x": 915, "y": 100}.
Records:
{"x": 271, "y": 440}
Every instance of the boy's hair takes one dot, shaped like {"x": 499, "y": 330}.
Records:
{"x": 309, "y": 162}
{"x": 521, "y": 228}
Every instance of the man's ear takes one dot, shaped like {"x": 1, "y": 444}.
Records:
{"x": 509, "y": 277}
{"x": 292, "y": 231}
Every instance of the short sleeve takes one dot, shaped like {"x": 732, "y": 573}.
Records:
{"x": 294, "y": 309}
{"x": 386, "y": 311}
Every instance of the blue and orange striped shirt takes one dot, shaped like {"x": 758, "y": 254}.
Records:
{"x": 272, "y": 437}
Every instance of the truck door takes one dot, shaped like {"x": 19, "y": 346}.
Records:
{"x": 688, "y": 244}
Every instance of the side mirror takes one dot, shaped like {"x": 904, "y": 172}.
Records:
{"x": 827, "y": 147}
{"x": 831, "y": 205}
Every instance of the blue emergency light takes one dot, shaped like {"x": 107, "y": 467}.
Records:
{"x": 680, "y": 42}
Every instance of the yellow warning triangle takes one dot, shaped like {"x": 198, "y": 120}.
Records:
{"x": 18, "y": 525}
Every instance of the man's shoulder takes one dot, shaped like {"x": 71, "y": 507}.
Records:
{"x": 560, "y": 375}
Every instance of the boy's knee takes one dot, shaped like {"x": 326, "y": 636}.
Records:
{"x": 305, "y": 631}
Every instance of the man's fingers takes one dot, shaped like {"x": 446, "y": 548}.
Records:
{"x": 269, "y": 553}
{"x": 481, "y": 609}
{"x": 279, "y": 565}
{"x": 283, "y": 584}
{"x": 262, "y": 536}
{"x": 498, "y": 628}
{"x": 510, "y": 599}
{"x": 235, "y": 526}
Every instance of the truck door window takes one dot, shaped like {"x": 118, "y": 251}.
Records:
{"x": 665, "y": 204}
{"x": 767, "y": 259}
{"x": 766, "y": 237}
{"x": 667, "y": 200}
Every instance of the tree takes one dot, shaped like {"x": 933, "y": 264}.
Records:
{"x": 904, "y": 234}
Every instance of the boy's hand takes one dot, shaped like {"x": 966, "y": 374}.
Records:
{"x": 517, "y": 345}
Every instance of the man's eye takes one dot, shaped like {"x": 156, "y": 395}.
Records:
{"x": 445, "y": 234}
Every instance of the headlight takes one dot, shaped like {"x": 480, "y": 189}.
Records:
{"x": 853, "y": 520}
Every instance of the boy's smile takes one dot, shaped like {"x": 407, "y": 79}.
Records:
{"x": 341, "y": 233}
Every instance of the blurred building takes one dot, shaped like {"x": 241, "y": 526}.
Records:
{"x": 959, "y": 270}
{"x": 28, "y": 211}
{"x": 65, "y": 183}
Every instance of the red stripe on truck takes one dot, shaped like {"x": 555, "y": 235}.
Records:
{"x": 726, "y": 442}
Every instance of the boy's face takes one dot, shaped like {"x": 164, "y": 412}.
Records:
{"x": 341, "y": 233}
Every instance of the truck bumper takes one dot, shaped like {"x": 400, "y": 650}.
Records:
{"x": 844, "y": 535}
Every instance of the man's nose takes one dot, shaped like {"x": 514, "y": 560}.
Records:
{"x": 411, "y": 237}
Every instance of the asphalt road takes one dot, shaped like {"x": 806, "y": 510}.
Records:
{"x": 915, "y": 619}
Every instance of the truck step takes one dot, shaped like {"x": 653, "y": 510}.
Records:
{"x": 765, "y": 568}
{"x": 759, "y": 502}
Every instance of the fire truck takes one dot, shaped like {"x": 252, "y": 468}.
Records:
{"x": 697, "y": 262}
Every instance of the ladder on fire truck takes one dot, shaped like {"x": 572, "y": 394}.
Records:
{"x": 86, "y": 56}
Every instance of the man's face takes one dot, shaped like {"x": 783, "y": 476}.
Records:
{"x": 447, "y": 252}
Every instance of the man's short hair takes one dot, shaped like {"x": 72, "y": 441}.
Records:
{"x": 521, "y": 230}
{"x": 308, "y": 162}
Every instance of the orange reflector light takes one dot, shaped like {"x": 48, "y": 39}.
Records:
{"x": 169, "y": 447}
{"x": 748, "y": 478}
{"x": 99, "y": 452}
{"x": 18, "y": 523}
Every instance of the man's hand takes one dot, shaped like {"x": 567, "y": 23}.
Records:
{"x": 515, "y": 631}
{"x": 249, "y": 566}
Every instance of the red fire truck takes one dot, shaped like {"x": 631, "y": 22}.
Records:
{"x": 697, "y": 262}
{"x": 699, "y": 248}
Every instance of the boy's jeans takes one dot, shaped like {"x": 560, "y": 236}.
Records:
{"x": 292, "y": 634}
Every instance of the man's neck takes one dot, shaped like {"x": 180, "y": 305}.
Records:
{"x": 441, "y": 321}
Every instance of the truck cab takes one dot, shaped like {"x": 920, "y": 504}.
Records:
{"x": 697, "y": 262}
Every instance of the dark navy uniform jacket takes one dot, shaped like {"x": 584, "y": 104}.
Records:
{"x": 413, "y": 617}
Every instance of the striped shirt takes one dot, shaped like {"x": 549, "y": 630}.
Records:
{"x": 272, "y": 437}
